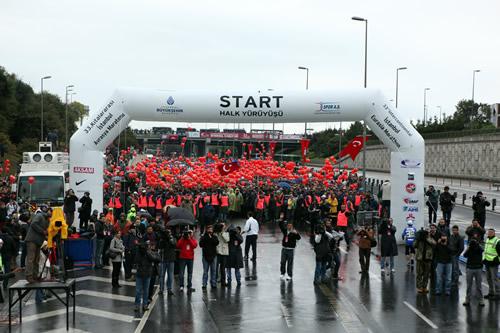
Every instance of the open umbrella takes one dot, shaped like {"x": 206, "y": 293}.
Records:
{"x": 176, "y": 222}
{"x": 283, "y": 184}
{"x": 180, "y": 213}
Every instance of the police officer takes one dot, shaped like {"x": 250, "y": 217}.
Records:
{"x": 490, "y": 260}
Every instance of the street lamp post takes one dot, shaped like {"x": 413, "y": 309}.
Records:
{"x": 425, "y": 105}
{"x": 356, "y": 18}
{"x": 397, "y": 83}
{"x": 41, "y": 93}
{"x": 473, "y": 82}
{"x": 68, "y": 89}
{"x": 440, "y": 112}
{"x": 307, "y": 88}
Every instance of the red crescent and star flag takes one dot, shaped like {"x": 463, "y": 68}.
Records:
{"x": 227, "y": 168}
{"x": 354, "y": 147}
{"x": 304, "y": 144}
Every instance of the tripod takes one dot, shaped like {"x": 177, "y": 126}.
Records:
{"x": 59, "y": 268}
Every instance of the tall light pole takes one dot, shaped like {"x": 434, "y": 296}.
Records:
{"x": 356, "y": 18}
{"x": 307, "y": 88}
{"x": 440, "y": 112}
{"x": 425, "y": 104}
{"x": 397, "y": 82}
{"x": 41, "y": 93}
{"x": 68, "y": 89}
{"x": 473, "y": 83}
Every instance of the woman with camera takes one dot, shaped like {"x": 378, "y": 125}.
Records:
{"x": 388, "y": 245}
{"x": 144, "y": 262}
{"x": 365, "y": 243}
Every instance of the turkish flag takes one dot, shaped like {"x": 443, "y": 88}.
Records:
{"x": 272, "y": 146}
{"x": 304, "y": 144}
{"x": 250, "y": 147}
{"x": 354, "y": 147}
{"x": 227, "y": 168}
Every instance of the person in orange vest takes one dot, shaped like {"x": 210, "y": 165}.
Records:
{"x": 342, "y": 223}
{"x": 271, "y": 208}
{"x": 159, "y": 205}
{"x": 280, "y": 197}
{"x": 117, "y": 205}
{"x": 142, "y": 201}
{"x": 216, "y": 202}
{"x": 179, "y": 199}
{"x": 110, "y": 216}
{"x": 260, "y": 205}
{"x": 224, "y": 207}
{"x": 151, "y": 203}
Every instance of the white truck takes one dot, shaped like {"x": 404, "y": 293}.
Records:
{"x": 50, "y": 172}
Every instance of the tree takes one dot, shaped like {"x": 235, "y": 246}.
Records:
{"x": 126, "y": 139}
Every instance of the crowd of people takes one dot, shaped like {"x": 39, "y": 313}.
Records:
{"x": 132, "y": 231}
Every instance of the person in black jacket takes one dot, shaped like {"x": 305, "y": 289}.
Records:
{"x": 474, "y": 255}
{"x": 457, "y": 244}
{"x": 447, "y": 202}
{"x": 7, "y": 251}
{"x": 99, "y": 231}
{"x": 289, "y": 242}
{"x": 442, "y": 253}
{"x": 388, "y": 245}
{"x": 130, "y": 242}
{"x": 168, "y": 246}
{"x": 5, "y": 276}
{"x": 479, "y": 204}
{"x": 208, "y": 243}
{"x": 235, "y": 259}
{"x": 144, "y": 262}
{"x": 70, "y": 201}
{"x": 85, "y": 210}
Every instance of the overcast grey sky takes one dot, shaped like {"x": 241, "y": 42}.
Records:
{"x": 101, "y": 45}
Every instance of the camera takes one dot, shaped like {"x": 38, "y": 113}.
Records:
{"x": 218, "y": 228}
{"x": 421, "y": 234}
{"x": 319, "y": 229}
{"x": 185, "y": 234}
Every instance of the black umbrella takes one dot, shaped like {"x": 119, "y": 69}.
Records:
{"x": 180, "y": 213}
{"x": 176, "y": 222}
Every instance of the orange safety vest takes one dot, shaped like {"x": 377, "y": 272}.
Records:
{"x": 215, "y": 200}
{"x": 111, "y": 205}
{"x": 345, "y": 200}
{"x": 151, "y": 201}
{"x": 170, "y": 201}
{"x": 118, "y": 203}
{"x": 318, "y": 199}
{"x": 260, "y": 203}
{"x": 267, "y": 197}
{"x": 357, "y": 201}
{"x": 143, "y": 203}
{"x": 179, "y": 200}
{"x": 279, "y": 202}
{"x": 111, "y": 217}
{"x": 224, "y": 201}
{"x": 341, "y": 219}
{"x": 158, "y": 203}
{"x": 308, "y": 201}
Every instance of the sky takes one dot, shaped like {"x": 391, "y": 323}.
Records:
{"x": 98, "y": 46}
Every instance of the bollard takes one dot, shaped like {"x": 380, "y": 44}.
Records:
{"x": 439, "y": 192}
{"x": 463, "y": 198}
{"x": 493, "y": 204}
{"x": 455, "y": 195}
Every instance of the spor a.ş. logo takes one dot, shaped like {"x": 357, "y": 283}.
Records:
{"x": 411, "y": 187}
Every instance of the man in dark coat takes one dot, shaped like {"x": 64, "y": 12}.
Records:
{"x": 8, "y": 251}
{"x": 85, "y": 211}
{"x": 70, "y": 207}
{"x": 208, "y": 243}
{"x": 447, "y": 202}
{"x": 235, "y": 259}
{"x": 34, "y": 240}
{"x": 479, "y": 204}
{"x": 388, "y": 245}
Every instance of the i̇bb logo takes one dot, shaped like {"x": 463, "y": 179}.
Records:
{"x": 411, "y": 187}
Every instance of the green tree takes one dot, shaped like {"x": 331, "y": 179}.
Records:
{"x": 126, "y": 139}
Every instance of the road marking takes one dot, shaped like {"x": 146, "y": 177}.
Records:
{"x": 373, "y": 275}
{"x": 145, "y": 317}
{"x": 81, "y": 310}
{"x": 421, "y": 315}
{"x": 286, "y": 315}
{"x": 71, "y": 330}
{"x": 103, "y": 279}
{"x": 117, "y": 297}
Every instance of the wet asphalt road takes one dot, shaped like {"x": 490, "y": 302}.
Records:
{"x": 264, "y": 303}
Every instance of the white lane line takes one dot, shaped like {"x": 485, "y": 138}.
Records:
{"x": 373, "y": 275}
{"x": 110, "y": 296}
{"x": 421, "y": 315}
{"x": 286, "y": 315}
{"x": 63, "y": 330}
{"x": 81, "y": 310}
{"x": 145, "y": 317}
{"x": 103, "y": 279}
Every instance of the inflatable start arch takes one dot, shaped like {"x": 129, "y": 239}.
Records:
{"x": 389, "y": 124}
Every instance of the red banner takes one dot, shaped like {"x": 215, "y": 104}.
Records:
{"x": 250, "y": 147}
{"x": 227, "y": 168}
{"x": 354, "y": 147}
{"x": 304, "y": 144}
{"x": 272, "y": 146}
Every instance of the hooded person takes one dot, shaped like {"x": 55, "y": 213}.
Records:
{"x": 132, "y": 214}
{"x": 122, "y": 224}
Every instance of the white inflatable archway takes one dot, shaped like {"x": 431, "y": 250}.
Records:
{"x": 389, "y": 124}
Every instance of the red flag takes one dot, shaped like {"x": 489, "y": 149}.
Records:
{"x": 272, "y": 146}
{"x": 304, "y": 144}
{"x": 354, "y": 147}
{"x": 250, "y": 147}
{"x": 227, "y": 168}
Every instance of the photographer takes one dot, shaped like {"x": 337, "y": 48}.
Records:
{"x": 475, "y": 231}
{"x": 187, "y": 244}
{"x": 443, "y": 251}
{"x": 479, "y": 204}
{"x": 432, "y": 203}
{"x": 167, "y": 246}
{"x": 144, "y": 261}
{"x": 130, "y": 242}
{"x": 222, "y": 250}
{"x": 365, "y": 240}
{"x": 289, "y": 242}
{"x": 208, "y": 243}
{"x": 388, "y": 245}
{"x": 424, "y": 244}
{"x": 323, "y": 253}
{"x": 447, "y": 203}
{"x": 235, "y": 258}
